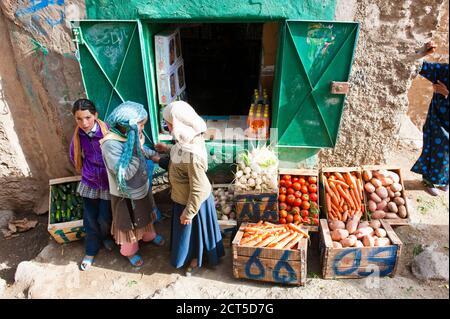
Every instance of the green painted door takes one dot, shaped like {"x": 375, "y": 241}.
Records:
{"x": 111, "y": 61}
{"x": 311, "y": 56}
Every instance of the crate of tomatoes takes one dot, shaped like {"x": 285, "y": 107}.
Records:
{"x": 298, "y": 198}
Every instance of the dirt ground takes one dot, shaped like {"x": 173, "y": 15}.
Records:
{"x": 54, "y": 273}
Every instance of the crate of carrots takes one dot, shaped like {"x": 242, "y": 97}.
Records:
{"x": 271, "y": 252}
{"x": 298, "y": 199}
{"x": 342, "y": 193}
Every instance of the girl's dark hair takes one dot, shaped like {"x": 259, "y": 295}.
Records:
{"x": 83, "y": 105}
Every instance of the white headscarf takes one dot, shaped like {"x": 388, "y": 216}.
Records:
{"x": 187, "y": 127}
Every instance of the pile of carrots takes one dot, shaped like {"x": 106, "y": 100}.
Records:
{"x": 343, "y": 195}
{"x": 270, "y": 235}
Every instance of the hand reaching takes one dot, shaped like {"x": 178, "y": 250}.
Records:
{"x": 440, "y": 88}
{"x": 184, "y": 220}
{"x": 161, "y": 148}
{"x": 428, "y": 48}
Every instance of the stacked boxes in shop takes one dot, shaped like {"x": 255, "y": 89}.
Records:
{"x": 169, "y": 66}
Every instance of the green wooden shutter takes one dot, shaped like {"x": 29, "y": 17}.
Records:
{"x": 311, "y": 56}
{"x": 111, "y": 61}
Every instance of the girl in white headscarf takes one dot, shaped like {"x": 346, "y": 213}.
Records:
{"x": 195, "y": 231}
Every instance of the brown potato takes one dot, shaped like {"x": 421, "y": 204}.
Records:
{"x": 376, "y": 182}
{"x": 372, "y": 205}
{"x": 363, "y": 224}
{"x": 336, "y": 224}
{"x": 339, "y": 234}
{"x": 399, "y": 201}
{"x": 390, "y": 193}
{"x": 382, "y": 192}
{"x": 381, "y": 205}
{"x": 397, "y": 194}
{"x": 369, "y": 188}
{"x": 375, "y": 198}
{"x": 396, "y": 187}
{"x": 391, "y": 216}
{"x": 379, "y": 214}
{"x": 392, "y": 207}
{"x": 402, "y": 213}
{"x": 360, "y": 233}
{"x": 349, "y": 241}
{"x": 367, "y": 176}
{"x": 386, "y": 181}
{"x": 394, "y": 176}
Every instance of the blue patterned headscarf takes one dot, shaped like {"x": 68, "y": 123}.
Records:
{"x": 127, "y": 115}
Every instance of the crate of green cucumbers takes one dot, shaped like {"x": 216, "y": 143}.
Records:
{"x": 65, "y": 213}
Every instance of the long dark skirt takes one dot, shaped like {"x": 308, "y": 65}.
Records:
{"x": 201, "y": 239}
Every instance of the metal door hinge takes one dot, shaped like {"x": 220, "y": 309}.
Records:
{"x": 340, "y": 87}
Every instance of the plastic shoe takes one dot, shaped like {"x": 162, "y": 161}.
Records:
{"x": 136, "y": 260}
{"x": 158, "y": 240}
{"x": 86, "y": 263}
{"x": 432, "y": 191}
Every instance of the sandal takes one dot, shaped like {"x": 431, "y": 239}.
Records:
{"x": 191, "y": 271}
{"x": 86, "y": 262}
{"x": 136, "y": 260}
{"x": 158, "y": 240}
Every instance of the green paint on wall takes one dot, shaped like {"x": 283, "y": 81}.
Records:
{"x": 223, "y": 10}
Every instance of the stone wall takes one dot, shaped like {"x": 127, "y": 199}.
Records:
{"x": 40, "y": 78}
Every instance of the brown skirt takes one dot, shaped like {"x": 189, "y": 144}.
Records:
{"x": 131, "y": 218}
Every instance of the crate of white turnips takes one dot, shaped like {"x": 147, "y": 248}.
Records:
{"x": 385, "y": 194}
{"x": 65, "y": 213}
{"x": 224, "y": 201}
{"x": 256, "y": 185}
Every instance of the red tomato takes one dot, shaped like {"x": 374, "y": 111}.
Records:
{"x": 315, "y": 205}
{"x": 295, "y": 210}
{"x": 297, "y": 186}
{"x": 297, "y": 218}
{"x": 305, "y": 205}
{"x": 298, "y": 194}
{"x": 307, "y": 220}
{"x": 282, "y": 206}
{"x": 297, "y": 202}
{"x": 313, "y": 197}
{"x": 312, "y": 188}
{"x": 304, "y": 213}
{"x": 290, "y": 199}
{"x": 283, "y": 213}
{"x": 302, "y": 181}
{"x": 283, "y": 190}
{"x": 282, "y": 221}
{"x": 290, "y": 191}
{"x": 304, "y": 189}
{"x": 287, "y": 177}
{"x": 316, "y": 221}
{"x": 312, "y": 180}
{"x": 289, "y": 218}
{"x": 289, "y": 208}
{"x": 282, "y": 182}
{"x": 294, "y": 179}
{"x": 305, "y": 197}
{"x": 282, "y": 198}
{"x": 288, "y": 184}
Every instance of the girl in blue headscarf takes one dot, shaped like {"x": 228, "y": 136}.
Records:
{"x": 132, "y": 203}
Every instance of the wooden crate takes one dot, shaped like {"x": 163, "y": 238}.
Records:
{"x": 395, "y": 169}
{"x": 283, "y": 266}
{"x": 253, "y": 206}
{"x": 354, "y": 262}
{"x": 225, "y": 224}
{"x": 303, "y": 172}
{"x": 339, "y": 170}
{"x": 64, "y": 232}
